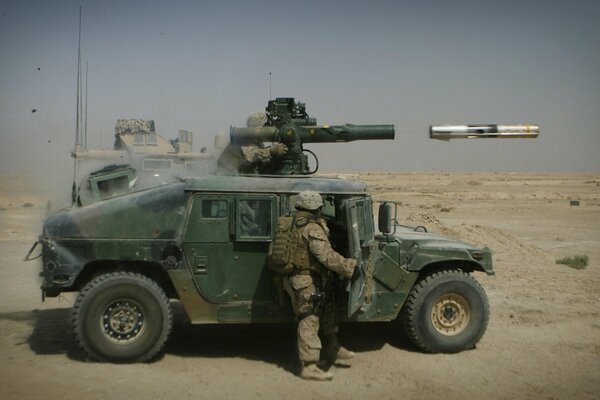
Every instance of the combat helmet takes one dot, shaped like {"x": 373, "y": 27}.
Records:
{"x": 309, "y": 200}
{"x": 256, "y": 120}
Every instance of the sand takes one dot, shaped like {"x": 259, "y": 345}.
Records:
{"x": 543, "y": 339}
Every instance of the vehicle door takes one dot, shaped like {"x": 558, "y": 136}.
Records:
{"x": 360, "y": 231}
{"x": 226, "y": 242}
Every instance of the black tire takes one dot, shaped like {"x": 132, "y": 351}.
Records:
{"x": 446, "y": 312}
{"x": 122, "y": 317}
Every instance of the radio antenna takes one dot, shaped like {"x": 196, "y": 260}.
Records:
{"x": 77, "y": 118}
{"x": 270, "y": 97}
{"x": 86, "y": 119}
{"x": 77, "y": 125}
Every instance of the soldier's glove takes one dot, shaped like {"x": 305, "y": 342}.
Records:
{"x": 352, "y": 265}
{"x": 278, "y": 149}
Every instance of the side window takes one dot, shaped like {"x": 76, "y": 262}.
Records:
{"x": 209, "y": 220}
{"x": 214, "y": 209}
{"x": 138, "y": 138}
{"x": 361, "y": 218}
{"x": 151, "y": 138}
{"x": 255, "y": 218}
{"x": 113, "y": 186}
{"x": 156, "y": 164}
{"x": 193, "y": 167}
{"x": 328, "y": 207}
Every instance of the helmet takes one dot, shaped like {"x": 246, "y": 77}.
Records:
{"x": 257, "y": 119}
{"x": 309, "y": 200}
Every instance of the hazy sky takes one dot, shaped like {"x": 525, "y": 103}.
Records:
{"x": 203, "y": 66}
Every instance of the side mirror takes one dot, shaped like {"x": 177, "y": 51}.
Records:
{"x": 384, "y": 223}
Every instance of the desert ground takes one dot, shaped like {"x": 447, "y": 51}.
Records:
{"x": 542, "y": 342}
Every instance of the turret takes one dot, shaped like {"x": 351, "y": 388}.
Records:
{"x": 288, "y": 123}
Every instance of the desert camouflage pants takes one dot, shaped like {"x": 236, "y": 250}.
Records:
{"x": 301, "y": 289}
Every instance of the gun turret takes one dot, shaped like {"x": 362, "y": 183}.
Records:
{"x": 289, "y": 124}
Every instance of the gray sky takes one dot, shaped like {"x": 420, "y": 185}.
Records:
{"x": 203, "y": 66}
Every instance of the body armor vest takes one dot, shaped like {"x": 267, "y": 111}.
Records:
{"x": 302, "y": 258}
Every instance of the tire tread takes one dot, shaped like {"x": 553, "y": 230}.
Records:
{"x": 409, "y": 318}
{"x": 101, "y": 279}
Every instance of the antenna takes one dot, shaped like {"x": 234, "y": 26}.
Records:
{"x": 81, "y": 107}
{"x": 77, "y": 125}
{"x": 78, "y": 81}
{"x": 270, "y": 97}
{"x": 86, "y": 91}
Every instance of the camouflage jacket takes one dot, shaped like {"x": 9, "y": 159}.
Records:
{"x": 313, "y": 249}
{"x": 256, "y": 154}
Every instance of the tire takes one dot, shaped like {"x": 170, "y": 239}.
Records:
{"x": 446, "y": 312}
{"x": 122, "y": 317}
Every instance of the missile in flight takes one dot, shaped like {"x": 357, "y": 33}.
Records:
{"x": 447, "y": 132}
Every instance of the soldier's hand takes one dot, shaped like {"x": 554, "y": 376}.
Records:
{"x": 352, "y": 269}
{"x": 278, "y": 149}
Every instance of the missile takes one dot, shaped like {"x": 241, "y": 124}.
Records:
{"x": 447, "y": 132}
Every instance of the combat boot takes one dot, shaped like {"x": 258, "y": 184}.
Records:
{"x": 310, "y": 371}
{"x": 344, "y": 354}
{"x": 333, "y": 351}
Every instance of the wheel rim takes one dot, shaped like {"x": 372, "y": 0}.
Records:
{"x": 450, "y": 314}
{"x": 123, "y": 321}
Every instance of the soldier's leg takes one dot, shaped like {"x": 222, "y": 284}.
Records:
{"x": 309, "y": 344}
{"x": 332, "y": 349}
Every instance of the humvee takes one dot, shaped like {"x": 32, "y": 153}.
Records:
{"x": 131, "y": 255}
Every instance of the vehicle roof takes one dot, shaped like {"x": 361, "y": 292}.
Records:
{"x": 273, "y": 184}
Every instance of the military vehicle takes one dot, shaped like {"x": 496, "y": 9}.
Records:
{"x": 130, "y": 254}
{"x": 140, "y": 158}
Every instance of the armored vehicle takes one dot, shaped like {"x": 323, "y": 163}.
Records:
{"x": 131, "y": 255}
{"x": 140, "y": 158}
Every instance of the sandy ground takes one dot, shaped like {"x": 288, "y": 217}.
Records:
{"x": 543, "y": 340}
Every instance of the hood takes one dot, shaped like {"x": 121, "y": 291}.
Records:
{"x": 156, "y": 213}
{"x": 430, "y": 240}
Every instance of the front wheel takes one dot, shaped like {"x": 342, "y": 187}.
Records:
{"x": 122, "y": 317}
{"x": 446, "y": 312}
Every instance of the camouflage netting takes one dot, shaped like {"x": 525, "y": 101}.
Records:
{"x": 133, "y": 126}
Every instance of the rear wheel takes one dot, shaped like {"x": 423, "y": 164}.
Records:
{"x": 122, "y": 317}
{"x": 446, "y": 312}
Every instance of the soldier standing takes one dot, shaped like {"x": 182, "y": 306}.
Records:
{"x": 313, "y": 260}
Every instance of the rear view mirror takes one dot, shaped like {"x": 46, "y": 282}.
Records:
{"x": 384, "y": 222}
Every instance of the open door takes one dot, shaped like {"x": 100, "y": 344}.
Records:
{"x": 355, "y": 209}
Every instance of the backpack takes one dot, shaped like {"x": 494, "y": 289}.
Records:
{"x": 283, "y": 246}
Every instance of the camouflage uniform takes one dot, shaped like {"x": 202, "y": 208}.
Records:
{"x": 248, "y": 219}
{"x": 255, "y": 155}
{"x": 313, "y": 259}
{"x": 250, "y": 157}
